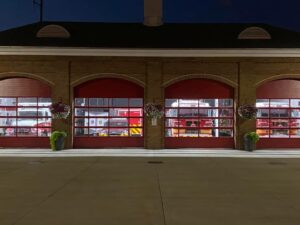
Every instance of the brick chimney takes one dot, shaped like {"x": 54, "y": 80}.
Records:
{"x": 153, "y": 13}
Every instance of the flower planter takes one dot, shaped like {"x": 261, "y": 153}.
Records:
{"x": 154, "y": 121}
{"x": 249, "y": 145}
{"x": 60, "y": 143}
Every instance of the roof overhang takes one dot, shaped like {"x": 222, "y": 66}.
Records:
{"x": 121, "y": 52}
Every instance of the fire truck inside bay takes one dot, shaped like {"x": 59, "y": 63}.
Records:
{"x": 186, "y": 116}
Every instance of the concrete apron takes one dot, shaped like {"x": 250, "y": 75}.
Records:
{"x": 126, "y": 152}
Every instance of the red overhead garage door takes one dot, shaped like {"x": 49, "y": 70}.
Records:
{"x": 25, "y": 119}
{"x": 199, "y": 114}
{"x": 278, "y": 117}
{"x": 108, "y": 113}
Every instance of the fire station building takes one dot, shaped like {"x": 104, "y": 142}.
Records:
{"x": 107, "y": 72}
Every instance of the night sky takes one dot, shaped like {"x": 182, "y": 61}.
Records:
{"x": 275, "y": 12}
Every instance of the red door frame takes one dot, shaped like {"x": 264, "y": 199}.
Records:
{"x": 279, "y": 89}
{"x": 108, "y": 88}
{"x": 24, "y": 87}
{"x": 199, "y": 89}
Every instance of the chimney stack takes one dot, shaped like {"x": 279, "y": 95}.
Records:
{"x": 153, "y": 13}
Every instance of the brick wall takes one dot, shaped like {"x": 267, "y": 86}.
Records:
{"x": 62, "y": 74}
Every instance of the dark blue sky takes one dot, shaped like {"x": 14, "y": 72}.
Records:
{"x": 275, "y": 12}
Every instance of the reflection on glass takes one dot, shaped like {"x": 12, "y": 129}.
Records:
{"x": 44, "y": 122}
{"x": 261, "y": 123}
{"x": 81, "y": 122}
{"x": 188, "y": 103}
{"x": 44, "y": 132}
{"x": 225, "y": 123}
{"x": 278, "y": 123}
{"x": 135, "y": 122}
{"x": 27, "y": 101}
{"x": 118, "y": 132}
{"x": 206, "y": 133}
{"x": 279, "y": 103}
{"x": 103, "y": 112}
{"x": 135, "y": 112}
{"x": 118, "y": 122}
{"x": 262, "y": 133}
{"x": 136, "y": 132}
{"x": 208, "y": 122}
{"x": 295, "y": 133}
{"x": 44, "y": 101}
{"x": 279, "y": 113}
{"x": 136, "y": 102}
{"x": 10, "y": 131}
{"x": 295, "y": 103}
{"x": 171, "y": 132}
{"x": 226, "y": 113}
{"x": 188, "y": 132}
{"x": 208, "y": 112}
{"x": 98, "y": 122}
{"x": 279, "y": 133}
{"x": 295, "y": 113}
{"x": 98, "y": 102}
{"x": 225, "y": 103}
{"x": 225, "y": 133}
{"x": 8, "y": 101}
{"x": 171, "y": 103}
{"x": 171, "y": 113}
{"x": 81, "y": 111}
{"x": 295, "y": 123}
{"x": 119, "y": 102}
{"x": 188, "y": 112}
{"x": 81, "y": 132}
{"x": 263, "y": 103}
{"x": 29, "y": 112}
{"x": 81, "y": 102}
{"x": 262, "y": 113}
{"x": 171, "y": 123}
{"x": 7, "y": 122}
{"x": 26, "y": 122}
{"x": 8, "y": 112}
{"x": 26, "y": 131}
{"x": 208, "y": 102}
{"x": 123, "y": 112}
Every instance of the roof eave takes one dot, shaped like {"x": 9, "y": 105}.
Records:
{"x": 130, "y": 52}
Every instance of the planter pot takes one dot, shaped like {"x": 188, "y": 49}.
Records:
{"x": 249, "y": 145}
{"x": 154, "y": 121}
{"x": 60, "y": 143}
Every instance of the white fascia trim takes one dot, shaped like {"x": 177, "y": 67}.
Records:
{"x": 66, "y": 51}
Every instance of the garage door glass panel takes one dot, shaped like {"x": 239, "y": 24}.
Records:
{"x": 282, "y": 120}
{"x": 209, "y": 119}
{"x": 104, "y": 117}
{"x": 23, "y": 116}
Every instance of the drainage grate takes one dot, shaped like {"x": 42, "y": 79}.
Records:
{"x": 155, "y": 162}
{"x": 278, "y": 163}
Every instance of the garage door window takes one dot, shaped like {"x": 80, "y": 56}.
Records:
{"x": 278, "y": 118}
{"x": 199, "y": 118}
{"x": 25, "y": 117}
{"x": 109, "y": 117}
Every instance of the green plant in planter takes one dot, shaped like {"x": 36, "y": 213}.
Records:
{"x": 250, "y": 139}
{"x": 57, "y": 140}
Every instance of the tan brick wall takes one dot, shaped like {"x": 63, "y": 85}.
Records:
{"x": 64, "y": 73}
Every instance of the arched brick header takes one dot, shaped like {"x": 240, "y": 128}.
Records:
{"x": 284, "y": 88}
{"x": 109, "y": 88}
{"x": 199, "y": 88}
{"x": 25, "y": 87}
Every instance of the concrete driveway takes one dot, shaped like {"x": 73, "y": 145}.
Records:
{"x": 149, "y": 191}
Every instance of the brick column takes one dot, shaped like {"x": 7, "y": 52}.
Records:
{"x": 154, "y": 93}
{"x": 247, "y": 95}
{"x": 61, "y": 92}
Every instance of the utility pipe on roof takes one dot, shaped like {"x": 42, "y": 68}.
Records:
{"x": 153, "y": 13}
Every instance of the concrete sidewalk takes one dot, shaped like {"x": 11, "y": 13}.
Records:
{"x": 149, "y": 191}
{"x": 127, "y": 152}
